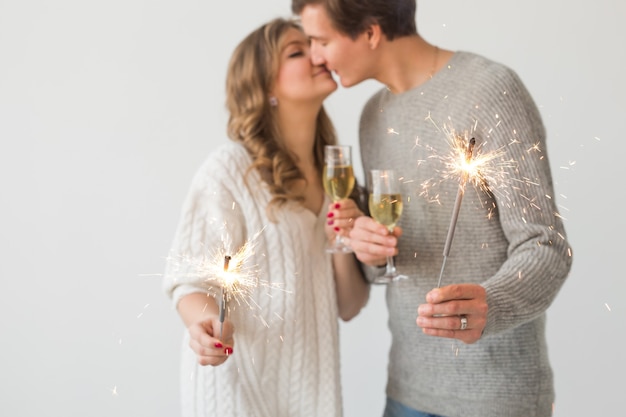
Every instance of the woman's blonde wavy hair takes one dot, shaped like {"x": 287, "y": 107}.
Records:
{"x": 253, "y": 121}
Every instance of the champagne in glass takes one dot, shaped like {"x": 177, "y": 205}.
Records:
{"x": 385, "y": 205}
{"x": 338, "y": 180}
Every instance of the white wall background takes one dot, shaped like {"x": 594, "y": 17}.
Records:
{"x": 106, "y": 110}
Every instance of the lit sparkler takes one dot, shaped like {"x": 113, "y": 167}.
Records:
{"x": 488, "y": 171}
{"x": 226, "y": 273}
{"x": 467, "y": 167}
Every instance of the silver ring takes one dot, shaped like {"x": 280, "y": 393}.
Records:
{"x": 463, "y": 322}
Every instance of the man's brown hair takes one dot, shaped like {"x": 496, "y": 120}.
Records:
{"x": 396, "y": 18}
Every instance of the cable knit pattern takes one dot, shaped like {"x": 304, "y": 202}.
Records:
{"x": 509, "y": 240}
{"x": 286, "y": 359}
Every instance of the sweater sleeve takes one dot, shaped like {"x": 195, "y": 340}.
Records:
{"x": 539, "y": 257}
{"x": 211, "y": 223}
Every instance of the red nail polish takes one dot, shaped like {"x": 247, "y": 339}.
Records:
{"x": 330, "y": 222}
{"x": 337, "y": 205}
{"x": 228, "y": 351}
{"x": 336, "y": 229}
{"x": 330, "y": 214}
{"x": 218, "y": 345}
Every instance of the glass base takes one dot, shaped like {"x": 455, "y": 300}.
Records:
{"x": 388, "y": 279}
{"x": 339, "y": 249}
{"x": 338, "y": 246}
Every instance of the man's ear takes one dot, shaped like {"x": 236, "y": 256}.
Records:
{"x": 374, "y": 35}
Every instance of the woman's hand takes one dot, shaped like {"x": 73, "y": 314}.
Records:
{"x": 340, "y": 218}
{"x": 205, "y": 340}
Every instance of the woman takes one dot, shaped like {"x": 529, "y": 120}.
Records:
{"x": 265, "y": 189}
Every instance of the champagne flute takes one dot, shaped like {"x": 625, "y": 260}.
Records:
{"x": 385, "y": 205}
{"x": 338, "y": 179}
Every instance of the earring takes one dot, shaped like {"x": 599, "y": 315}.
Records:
{"x": 273, "y": 101}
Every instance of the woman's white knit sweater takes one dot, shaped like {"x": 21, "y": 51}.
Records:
{"x": 286, "y": 353}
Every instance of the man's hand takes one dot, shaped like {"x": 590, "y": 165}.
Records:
{"x": 456, "y": 311}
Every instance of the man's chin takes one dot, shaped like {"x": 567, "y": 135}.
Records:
{"x": 346, "y": 82}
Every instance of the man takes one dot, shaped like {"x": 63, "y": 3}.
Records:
{"x": 510, "y": 256}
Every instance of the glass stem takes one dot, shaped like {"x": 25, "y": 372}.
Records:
{"x": 391, "y": 267}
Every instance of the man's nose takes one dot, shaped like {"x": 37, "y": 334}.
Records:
{"x": 316, "y": 57}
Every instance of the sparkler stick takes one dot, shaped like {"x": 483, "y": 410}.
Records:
{"x": 457, "y": 208}
{"x": 223, "y": 295}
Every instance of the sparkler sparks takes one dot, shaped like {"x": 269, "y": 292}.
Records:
{"x": 226, "y": 273}
{"x": 488, "y": 171}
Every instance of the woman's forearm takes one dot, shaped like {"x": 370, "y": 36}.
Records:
{"x": 352, "y": 288}
{"x": 195, "y": 307}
